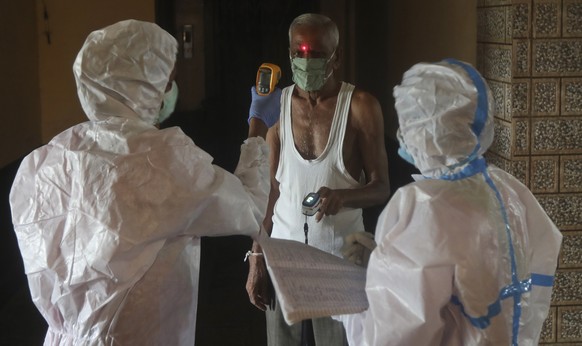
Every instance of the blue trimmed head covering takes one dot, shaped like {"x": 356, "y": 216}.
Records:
{"x": 445, "y": 112}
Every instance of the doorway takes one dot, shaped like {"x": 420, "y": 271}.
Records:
{"x": 230, "y": 40}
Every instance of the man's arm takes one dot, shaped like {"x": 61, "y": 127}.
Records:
{"x": 257, "y": 128}
{"x": 257, "y": 281}
{"x": 275, "y": 147}
{"x": 368, "y": 126}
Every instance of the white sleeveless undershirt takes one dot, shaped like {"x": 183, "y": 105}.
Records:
{"x": 297, "y": 177}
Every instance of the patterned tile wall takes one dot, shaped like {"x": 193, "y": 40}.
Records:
{"x": 545, "y": 174}
{"x": 563, "y": 209}
{"x": 546, "y": 19}
{"x": 557, "y": 57}
{"x": 561, "y": 135}
{"x": 502, "y": 141}
{"x": 571, "y": 96}
{"x": 538, "y": 95}
{"x": 549, "y": 329}
{"x": 520, "y": 136}
{"x": 546, "y": 96}
{"x": 520, "y": 97}
{"x": 570, "y": 173}
{"x": 521, "y": 18}
{"x": 501, "y": 95}
{"x": 520, "y": 167}
{"x": 569, "y": 324}
{"x": 492, "y": 23}
{"x": 572, "y": 19}
{"x": 571, "y": 254}
{"x": 521, "y": 63}
{"x": 496, "y": 62}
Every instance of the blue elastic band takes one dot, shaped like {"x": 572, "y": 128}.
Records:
{"x": 482, "y": 104}
{"x": 509, "y": 291}
{"x": 542, "y": 280}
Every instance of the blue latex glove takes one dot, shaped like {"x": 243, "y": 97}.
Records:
{"x": 266, "y": 108}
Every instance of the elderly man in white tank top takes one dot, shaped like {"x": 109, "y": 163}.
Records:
{"x": 330, "y": 140}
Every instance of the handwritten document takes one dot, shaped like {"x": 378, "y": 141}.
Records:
{"x": 311, "y": 283}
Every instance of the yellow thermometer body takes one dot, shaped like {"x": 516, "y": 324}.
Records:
{"x": 268, "y": 76}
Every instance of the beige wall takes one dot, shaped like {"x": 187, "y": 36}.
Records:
{"x": 393, "y": 35}
{"x": 69, "y": 23}
{"x": 19, "y": 92}
{"x": 432, "y": 30}
{"x": 38, "y": 90}
{"x": 421, "y": 30}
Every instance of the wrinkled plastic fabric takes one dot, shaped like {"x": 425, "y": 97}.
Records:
{"x": 109, "y": 214}
{"x": 449, "y": 269}
{"x": 123, "y": 70}
{"x": 436, "y": 118}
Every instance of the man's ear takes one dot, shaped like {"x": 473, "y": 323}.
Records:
{"x": 337, "y": 58}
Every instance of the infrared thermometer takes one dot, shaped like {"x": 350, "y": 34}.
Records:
{"x": 268, "y": 76}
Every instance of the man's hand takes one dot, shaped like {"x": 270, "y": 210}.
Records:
{"x": 257, "y": 283}
{"x": 358, "y": 246}
{"x": 331, "y": 202}
{"x": 266, "y": 108}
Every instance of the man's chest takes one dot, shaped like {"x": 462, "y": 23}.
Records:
{"x": 316, "y": 128}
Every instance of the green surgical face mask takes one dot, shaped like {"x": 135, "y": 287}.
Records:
{"x": 169, "y": 104}
{"x": 310, "y": 73}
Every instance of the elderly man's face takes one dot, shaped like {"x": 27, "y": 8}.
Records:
{"x": 310, "y": 42}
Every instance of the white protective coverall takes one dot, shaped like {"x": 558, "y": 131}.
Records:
{"x": 109, "y": 214}
{"x": 465, "y": 255}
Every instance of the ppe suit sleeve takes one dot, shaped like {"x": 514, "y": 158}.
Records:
{"x": 408, "y": 281}
{"x": 234, "y": 204}
{"x": 253, "y": 172}
{"x": 175, "y": 189}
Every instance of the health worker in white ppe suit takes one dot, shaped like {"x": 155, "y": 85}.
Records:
{"x": 109, "y": 214}
{"x": 465, "y": 254}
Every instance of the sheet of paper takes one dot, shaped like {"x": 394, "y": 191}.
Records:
{"x": 311, "y": 283}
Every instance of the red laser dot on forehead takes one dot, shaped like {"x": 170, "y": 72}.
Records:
{"x": 304, "y": 48}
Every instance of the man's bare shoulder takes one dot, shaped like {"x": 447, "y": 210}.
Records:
{"x": 365, "y": 105}
{"x": 363, "y": 96}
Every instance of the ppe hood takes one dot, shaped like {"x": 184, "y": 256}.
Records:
{"x": 123, "y": 69}
{"x": 445, "y": 112}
